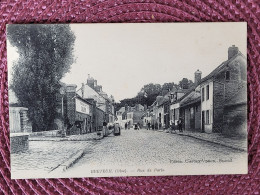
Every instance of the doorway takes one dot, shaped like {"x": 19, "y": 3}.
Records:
{"x": 203, "y": 121}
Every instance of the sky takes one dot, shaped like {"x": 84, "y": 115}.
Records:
{"x": 125, "y": 57}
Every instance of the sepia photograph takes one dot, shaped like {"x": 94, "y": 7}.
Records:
{"x": 132, "y": 99}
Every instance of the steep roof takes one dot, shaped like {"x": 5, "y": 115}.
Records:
{"x": 122, "y": 109}
{"x": 162, "y": 100}
{"x": 192, "y": 97}
{"x": 219, "y": 68}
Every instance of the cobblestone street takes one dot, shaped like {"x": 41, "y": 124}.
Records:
{"x": 43, "y": 156}
{"x": 131, "y": 148}
{"x": 147, "y": 147}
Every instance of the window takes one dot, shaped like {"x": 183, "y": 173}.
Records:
{"x": 228, "y": 75}
{"x": 207, "y": 117}
{"x": 191, "y": 112}
{"x": 207, "y": 92}
{"x": 202, "y": 94}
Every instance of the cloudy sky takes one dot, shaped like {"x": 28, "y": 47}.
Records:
{"x": 124, "y": 57}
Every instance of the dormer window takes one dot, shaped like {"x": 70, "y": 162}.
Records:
{"x": 227, "y": 75}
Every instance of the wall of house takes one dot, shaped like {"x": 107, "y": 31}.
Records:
{"x": 70, "y": 107}
{"x": 207, "y": 105}
{"x": 175, "y": 118}
{"x": 88, "y": 92}
{"x": 187, "y": 119}
{"x": 197, "y": 111}
{"x": 225, "y": 89}
{"x": 219, "y": 101}
{"x": 130, "y": 118}
{"x": 78, "y": 110}
{"x": 99, "y": 117}
{"x": 146, "y": 120}
{"x": 18, "y": 120}
{"x": 192, "y": 117}
{"x": 137, "y": 117}
{"x": 235, "y": 120}
{"x": 160, "y": 111}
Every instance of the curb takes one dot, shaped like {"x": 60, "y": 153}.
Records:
{"x": 48, "y": 139}
{"x": 210, "y": 141}
{"x": 68, "y": 163}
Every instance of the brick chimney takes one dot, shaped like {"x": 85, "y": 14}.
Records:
{"x": 232, "y": 51}
{"x": 197, "y": 76}
{"x": 82, "y": 90}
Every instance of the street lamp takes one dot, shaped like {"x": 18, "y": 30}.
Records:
{"x": 62, "y": 92}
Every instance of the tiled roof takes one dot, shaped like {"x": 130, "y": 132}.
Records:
{"x": 192, "y": 97}
{"x": 162, "y": 100}
{"x": 220, "y": 67}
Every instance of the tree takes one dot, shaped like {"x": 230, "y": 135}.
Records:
{"x": 185, "y": 83}
{"x": 45, "y": 56}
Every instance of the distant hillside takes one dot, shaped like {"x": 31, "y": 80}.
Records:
{"x": 149, "y": 92}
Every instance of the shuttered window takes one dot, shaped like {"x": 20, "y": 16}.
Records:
{"x": 202, "y": 94}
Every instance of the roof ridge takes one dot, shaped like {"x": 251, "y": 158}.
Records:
{"x": 219, "y": 67}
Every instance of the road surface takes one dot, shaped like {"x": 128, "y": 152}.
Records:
{"x": 148, "y": 147}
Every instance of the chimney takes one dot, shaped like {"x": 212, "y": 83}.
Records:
{"x": 71, "y": 88}
{"x": 232, "y": 51}
{"x": 197, "y": 76}
{"x": 126, "y": 107}
{"x": 82, "y": 90}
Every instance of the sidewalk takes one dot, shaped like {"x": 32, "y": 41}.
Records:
{"x": 236, "y": 143}
{"x": 82, "y": 137}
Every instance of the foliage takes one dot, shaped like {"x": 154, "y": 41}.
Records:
{"x": 149, "y": 92}
{"x": 45, "y": 55}
{"x": 185, "y": 83}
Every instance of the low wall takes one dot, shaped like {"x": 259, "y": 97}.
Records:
{"x": 19, "y": 142}
{"x": 51, "y": 133}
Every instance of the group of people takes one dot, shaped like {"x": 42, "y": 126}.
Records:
{"x": 179, "y": 126}
{"x": 174, "y": 127}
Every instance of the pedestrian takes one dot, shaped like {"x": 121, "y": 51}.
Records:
{"x": 148, "y": 125}
{"x": 105, "y": 133}
{"x": 180, "y": 125}
{"x": 125, "y": 126}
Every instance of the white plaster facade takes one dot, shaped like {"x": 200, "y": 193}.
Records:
{"x": 175, "y": 113}
{"x": 207, "y": 106}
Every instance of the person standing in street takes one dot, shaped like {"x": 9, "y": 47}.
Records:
{"x": 105, "y": 128}
{"x": 125, "y": 126}
{"x": 180, "y": 125}
{"x": 148, "y": 125}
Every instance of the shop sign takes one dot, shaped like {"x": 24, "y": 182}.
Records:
{"x": 82, "y": 107}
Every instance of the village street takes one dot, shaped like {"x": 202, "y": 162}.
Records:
{"x": 133, "y": 147}
{"x": 147, "y": 147}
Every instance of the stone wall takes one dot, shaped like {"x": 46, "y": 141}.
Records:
{"x": 19, "y": 143}
{"x": 235, "y": 120}
{"x": 218, "y": 105}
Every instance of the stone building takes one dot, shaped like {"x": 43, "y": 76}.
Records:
{"x": 235, "y": 114}
{"x": 91, "y": 90}
{"x": 176, "y": 97}
{"x": 134, "y": 115}
{"x": 78, "y": 113}
{"x": 18, "y": 116}
{"x": 190, "y": 106}
{"x": 221, "y": 85}
{"x": 190, "y": 110}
